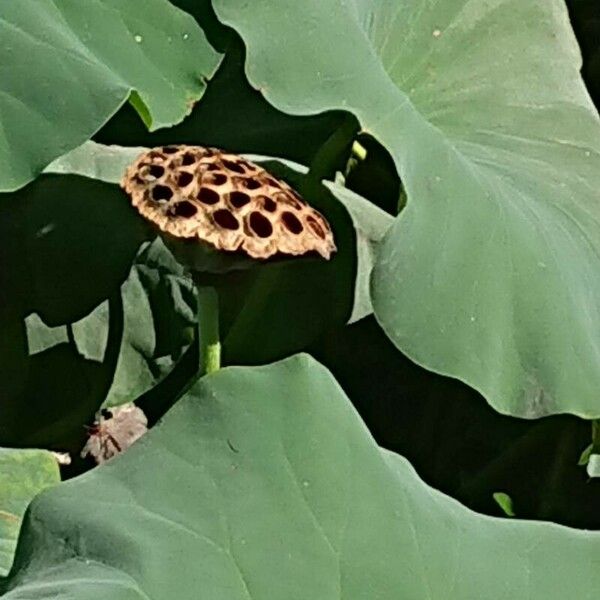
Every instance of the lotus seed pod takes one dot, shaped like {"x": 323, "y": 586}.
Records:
{"x": 232, "y": 204}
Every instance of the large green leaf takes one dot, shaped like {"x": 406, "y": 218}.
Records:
{"x": 234, "y": 116}
{"x": 23, "y": 474}
{"x": 490, "y": 273}
{"x": 231, "y": 114}
{"x": 66, "y": 70}
{"x": 263, "y": 483}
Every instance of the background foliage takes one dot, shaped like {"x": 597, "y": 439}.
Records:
{"x": 475, "y": 120}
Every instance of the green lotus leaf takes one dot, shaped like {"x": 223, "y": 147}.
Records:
{"x": 264, "y": 483}
{"x": 23, "y": 474}
{"x": 490, "y": 273}
{"x": 67, "y": 70}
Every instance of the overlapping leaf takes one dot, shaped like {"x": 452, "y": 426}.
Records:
{"x": 491, "y": 273}
{"x": 65, "y": 71}
{"x": 263, "y": 483}
{"x": 158, "y": 315}
{"x": 23, "y": 474}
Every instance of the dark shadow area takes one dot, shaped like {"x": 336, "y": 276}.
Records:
{"x": 286, "y": 304}
{"x": 585, "y": 18}
{"x": 455, "y": 440}
{"x": 67, "y": 245}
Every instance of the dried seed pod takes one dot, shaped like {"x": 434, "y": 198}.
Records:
{"x": 114, "y": 431}
{"x": 226, "y": 201}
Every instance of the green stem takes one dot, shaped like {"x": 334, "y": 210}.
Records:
{"x": 208, "y": 330}
{"x": 331, "y": 156}
{"x": 257, "y": 298}
{"x": 359, "y": 151}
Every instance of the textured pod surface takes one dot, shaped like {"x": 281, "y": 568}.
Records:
{"x": 225, "y": 200}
